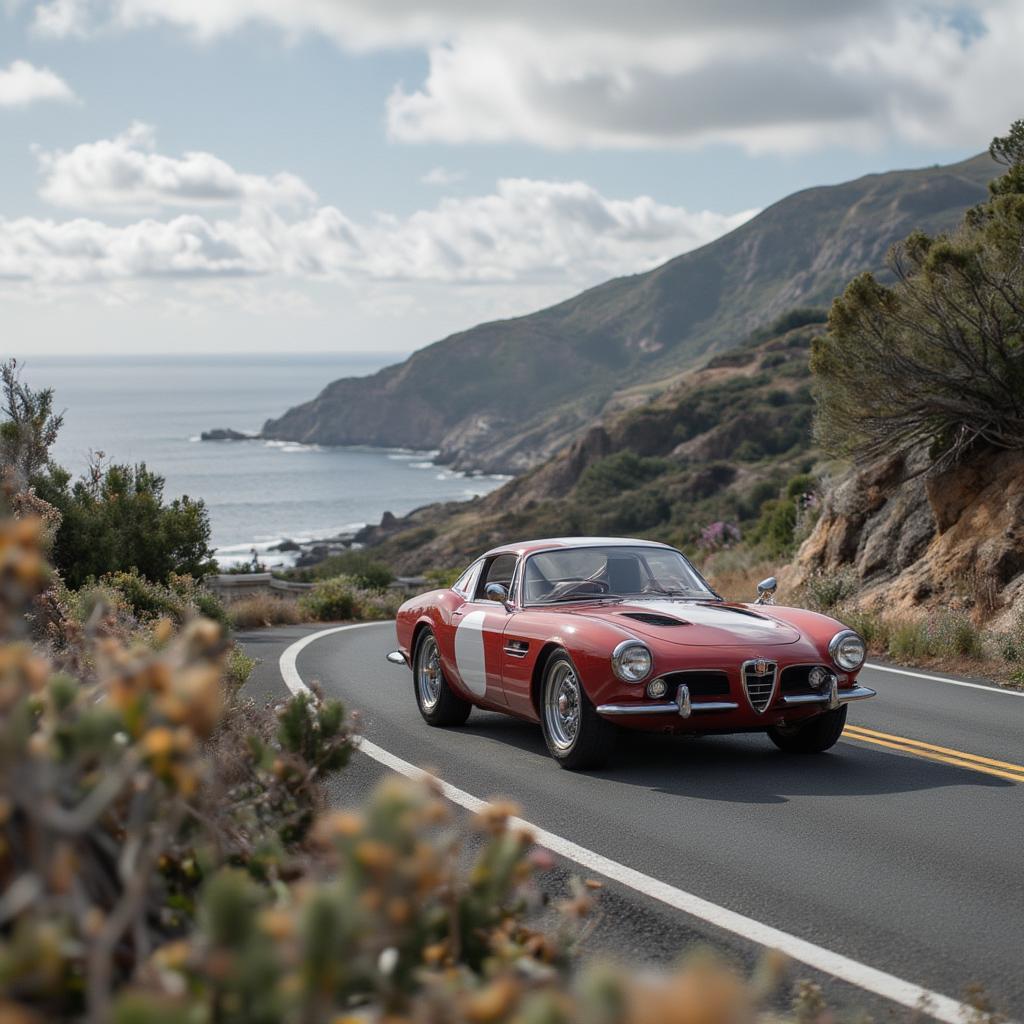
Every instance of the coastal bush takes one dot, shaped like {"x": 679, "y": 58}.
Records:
{"x": 443, "y": 578}
{"x": 953, "y": 634}
{"x": 615, "y": 474}
{"x": 343, "y": 598}
{"x": 115, "y": 519}
{"x": 360, "y": 566}
{"x": 331, "y": 599}
{"x": 933, "y": 362}
{"x": 179, "y": 600}
{"x": 908, "y": 640}
{"x": 824, "y": 590}
{"x": 785, "y": 521}
{"x": 1011, "y": 642}
{"x": 264, "y": 610}
{"x": 874, "y": 628}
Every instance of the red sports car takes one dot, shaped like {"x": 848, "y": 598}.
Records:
{"x": 585, "y": 635}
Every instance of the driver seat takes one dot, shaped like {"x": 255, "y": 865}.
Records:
{"x": 624, "y": 576}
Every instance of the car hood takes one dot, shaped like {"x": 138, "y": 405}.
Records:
{"x": 694, "y": 623}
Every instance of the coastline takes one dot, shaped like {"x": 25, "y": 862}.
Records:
{"x": 303, "y": 547}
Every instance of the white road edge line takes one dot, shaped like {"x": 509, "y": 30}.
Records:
{"x": 869, "y": 978}
{"x": 945, "y": 679}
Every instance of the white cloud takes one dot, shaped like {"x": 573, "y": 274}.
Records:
{"x": 127, "y": 174}
{"x": 62, "y": 18}
{"x": 23, "y": 83}
{"x": 781, "y": 76}
{"x": 442, "y": 176}
{"x": 525, "y": 232}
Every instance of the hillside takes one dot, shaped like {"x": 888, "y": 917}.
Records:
{"x": 716, "y": 445}
{"x": 503, "y": 396}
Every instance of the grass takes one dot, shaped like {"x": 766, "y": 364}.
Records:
{"x": 736, "y": 572}
{"x": 265, "y": 610}
{"x": 946, "y": 639}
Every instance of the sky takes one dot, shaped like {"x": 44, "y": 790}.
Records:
{"x": 371, "y": 175}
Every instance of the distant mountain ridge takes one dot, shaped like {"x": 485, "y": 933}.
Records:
{"x": 504, "y": 396}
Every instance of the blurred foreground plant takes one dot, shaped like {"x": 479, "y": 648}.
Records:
{"x": 166, "y": 857}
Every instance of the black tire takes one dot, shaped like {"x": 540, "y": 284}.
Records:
{"x": 813, "y": 736}
{"x": 438, "y": 704}
{"x": 589, "y": 741}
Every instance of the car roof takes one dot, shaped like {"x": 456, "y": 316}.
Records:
{"x": 528, "y": 547}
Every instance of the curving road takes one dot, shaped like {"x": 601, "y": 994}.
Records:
{"x": 901, "y": 850}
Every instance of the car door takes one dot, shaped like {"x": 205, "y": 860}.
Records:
{"x": 479, "y": 627}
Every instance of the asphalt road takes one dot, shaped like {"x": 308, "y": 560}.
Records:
{"x": 889, "y": 853}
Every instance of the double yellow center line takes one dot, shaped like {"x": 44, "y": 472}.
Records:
{"x": 946, "y": 755}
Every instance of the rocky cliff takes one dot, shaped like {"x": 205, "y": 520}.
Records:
{"x": 925, "y": 539}
{"x": 505, "y": 396}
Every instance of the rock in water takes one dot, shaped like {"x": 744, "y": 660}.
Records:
{"x": 225, "y": 434}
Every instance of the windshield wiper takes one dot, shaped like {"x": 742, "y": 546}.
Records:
{"x": 584, "y": 597}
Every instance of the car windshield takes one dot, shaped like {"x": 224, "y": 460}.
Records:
{"x": 616, "y": 571}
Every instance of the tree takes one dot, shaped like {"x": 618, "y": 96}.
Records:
{"x": 936, "y": 359}
{"x": 115, "y": 519}
{"x": 29, "y": 427}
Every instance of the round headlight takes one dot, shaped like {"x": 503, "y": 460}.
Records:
{"x": 847, "y": 650}
{"x": 631, "y": 661}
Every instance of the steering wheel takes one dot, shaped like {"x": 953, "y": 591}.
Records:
{"x": 579, "y": 587}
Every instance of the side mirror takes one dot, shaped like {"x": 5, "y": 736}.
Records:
{"x": 766, "y": 591}
{"x": 496, "y": 592}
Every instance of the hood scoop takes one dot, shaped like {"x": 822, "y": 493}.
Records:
{"x": 654, "y": 619}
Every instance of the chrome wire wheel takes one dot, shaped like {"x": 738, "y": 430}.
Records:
{"x": 428, "y": 674}
{"x": 562, "y": 704}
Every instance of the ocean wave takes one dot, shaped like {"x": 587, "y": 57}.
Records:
{"x": 292, "y": 446}
{"x": 239, "y": 553}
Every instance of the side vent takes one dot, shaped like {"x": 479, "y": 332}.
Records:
{"x": 653, "y": 619}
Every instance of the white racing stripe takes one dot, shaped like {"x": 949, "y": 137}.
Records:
{"x": 871, "y": 979}
{"x": 944, "y": 679}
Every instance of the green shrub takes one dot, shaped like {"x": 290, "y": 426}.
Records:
{"x": 908, "y": 640}
{"x": 927, "y": 362}
{"x": 341, "y": 598}
{"x": 331, "y": 599}
{"x": 773, "y": 531}
{"x": 952, "y": 634}
{"x": 239, "y": 667}
{"x": 129, "y": 592}
{"x": 1011, "y": 643}
{"x": 443, "y": 578}
{"x": 617, "y": 474}
{"x": 824, "y": 590}
{"x": 360, "y": 566}
{"x": 114, "y": 519}
{"x": 874, "y": 628}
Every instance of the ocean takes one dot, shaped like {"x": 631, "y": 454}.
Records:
{"x": 152, "y": 409}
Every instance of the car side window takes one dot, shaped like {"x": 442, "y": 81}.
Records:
{"x": 500, "y": 569}
{"x": 466, "y": 583}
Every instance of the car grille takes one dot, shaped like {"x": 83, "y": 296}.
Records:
{"x": 701, "y": 684}
{"x": 759, "y": 685}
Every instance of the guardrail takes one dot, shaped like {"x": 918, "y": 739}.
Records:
{"x": 231, "y": 586}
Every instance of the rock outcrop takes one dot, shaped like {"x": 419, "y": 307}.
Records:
{"x": 925, "y": 539}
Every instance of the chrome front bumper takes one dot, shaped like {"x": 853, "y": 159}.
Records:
{"x": 397, "y": 658}
{"x": 832, "y": 698}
